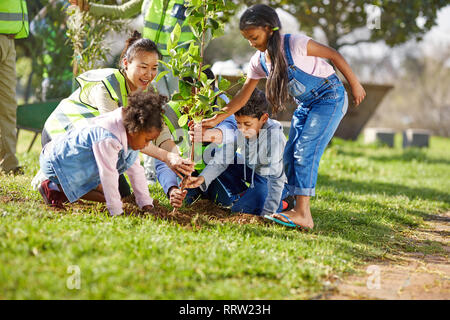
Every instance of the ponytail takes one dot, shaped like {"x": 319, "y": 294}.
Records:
{"x": 136, "y": 44}
{"x": 260, "y": 15}
{"x": 276, "y": 84}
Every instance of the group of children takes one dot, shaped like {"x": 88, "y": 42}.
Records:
{"x": 254, "y": 170}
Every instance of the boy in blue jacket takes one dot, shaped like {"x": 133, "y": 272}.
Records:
{"x": 260, "y": 163}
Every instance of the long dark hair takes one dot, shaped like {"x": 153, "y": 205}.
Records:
{"x": 260, "y": 15}
{"x": 135, "y": 44}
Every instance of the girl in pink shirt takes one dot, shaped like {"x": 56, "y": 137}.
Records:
{"x": 294, "y": 66}
{"x": 85, "y": 162}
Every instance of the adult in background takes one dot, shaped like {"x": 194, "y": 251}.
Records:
{"x": 13, "y": 25}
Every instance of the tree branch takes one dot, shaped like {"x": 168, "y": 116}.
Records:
{"x": 354, "y": 43}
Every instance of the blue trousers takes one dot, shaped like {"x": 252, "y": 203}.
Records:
{"x": 231, "y": 190}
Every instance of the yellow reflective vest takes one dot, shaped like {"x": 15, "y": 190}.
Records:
{"x": 160, "y": 20}
{"x": 14, "y": 18}
{"x": 75, "y": 112}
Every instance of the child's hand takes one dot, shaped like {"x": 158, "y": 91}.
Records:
{"x": 358, "y": 93}
{"x": 194, "y": 182}
{"x": 176, "y": 197}
{"x": 211, "y": 122}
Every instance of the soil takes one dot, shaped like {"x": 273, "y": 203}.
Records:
{"x": 202, "y": 214}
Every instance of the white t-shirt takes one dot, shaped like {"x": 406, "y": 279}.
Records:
{"x": 298, "y": 45}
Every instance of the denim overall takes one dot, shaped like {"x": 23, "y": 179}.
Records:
{"x": 322, "y": 103}
{"x": 70, "y": 162}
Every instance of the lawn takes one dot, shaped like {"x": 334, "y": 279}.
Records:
{"x": 370, "y": 200}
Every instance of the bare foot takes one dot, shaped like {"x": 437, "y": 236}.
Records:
{"x": 297, "y": 218}
{"x": 300, "y": 215}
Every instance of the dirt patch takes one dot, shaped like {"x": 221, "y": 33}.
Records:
{"x": 408, "y": 276}
{"x": 202, "y": 213}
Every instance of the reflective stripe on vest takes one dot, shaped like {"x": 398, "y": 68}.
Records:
{"x": 14, "y": 18}
{"x": 113, "y": 80}
{"x": 160, "y": 20}
{"x": 72, "y": 113}
{"x": 69, "y": 114}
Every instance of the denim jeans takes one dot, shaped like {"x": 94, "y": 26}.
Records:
{"x": 230, "y": 190}
{"x": 313, "y": 125}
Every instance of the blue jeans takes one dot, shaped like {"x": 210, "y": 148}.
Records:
{"x": 230, "y": 190}
{"x": 313, "y": 125}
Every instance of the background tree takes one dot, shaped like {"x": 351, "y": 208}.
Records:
{"x": 339, "y": 18}
{"x": 44, "y": 57}
{"x": 87, "y": 35}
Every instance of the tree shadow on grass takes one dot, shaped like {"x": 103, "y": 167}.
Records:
{"x": 383, "y": 188}
{"x": 407, "y": 155}
{"x": 363, "y": 233}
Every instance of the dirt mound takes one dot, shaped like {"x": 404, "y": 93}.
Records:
{"x": 201, "y": 213}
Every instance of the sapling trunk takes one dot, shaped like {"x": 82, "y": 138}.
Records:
{"x": 196, "y": 100}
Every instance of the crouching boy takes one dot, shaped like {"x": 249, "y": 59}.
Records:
{"x": 258, "y": 169}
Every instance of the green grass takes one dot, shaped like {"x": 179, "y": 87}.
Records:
{"x": 370, "y": 201}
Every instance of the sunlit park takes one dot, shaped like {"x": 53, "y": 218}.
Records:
{"x": 224, "y": 150}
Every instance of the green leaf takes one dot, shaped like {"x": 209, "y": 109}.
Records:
{"x": 203, "y": 99}
{"x": 193, "y": 49}
{"x": 196, "y": 3}
{"x": 194, "y": 20}
{"x": 184, "y": 44}
{"x": 218, "y": 32}
{"x": 212, "y": 23}
{"x": 178, "y": 96}
{"x": 206, "y": 66}
{"x": 175, "y": 35}
{"x": 242, "y": 80}
{"x": 185, "y": 89}
{"x": 183, "y": 120}
{"x": 160, "y": 75}
{"x": 203, "y": 78}
{"x": 168, "y": 66}
{"x": 224, "y": 84}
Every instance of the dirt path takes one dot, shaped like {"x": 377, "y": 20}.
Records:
{"x": 409, "y": 276}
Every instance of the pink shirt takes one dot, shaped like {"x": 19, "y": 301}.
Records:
{"x": 298, "y": 44}
{"x": 106, "y": 155}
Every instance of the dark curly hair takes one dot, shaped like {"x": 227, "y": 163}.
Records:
{"x": 136, "y": 44}
{"x": 144, "y": 111}
{"x": 256, "y": 106}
